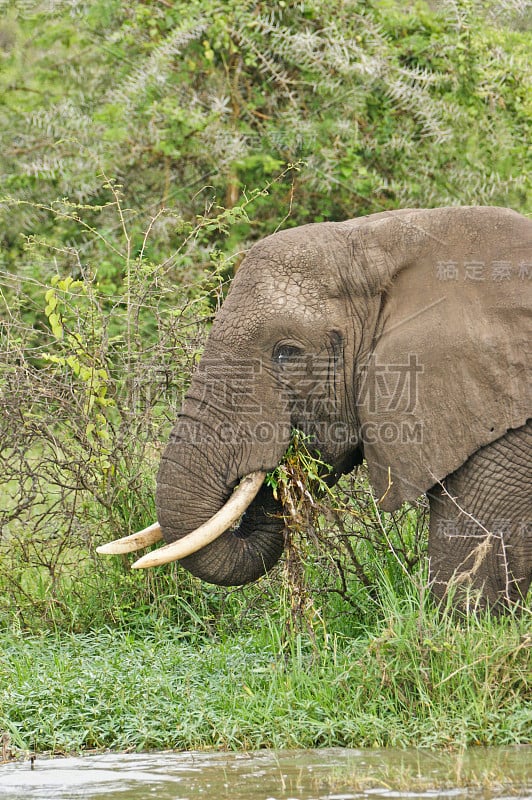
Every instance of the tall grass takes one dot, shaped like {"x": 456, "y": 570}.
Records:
{"x": 415, "y": 677}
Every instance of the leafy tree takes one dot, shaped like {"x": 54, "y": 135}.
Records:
{"x": 388, "y": 104}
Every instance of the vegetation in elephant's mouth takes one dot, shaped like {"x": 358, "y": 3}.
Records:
{"x": 320, "y": 521}
{"x": 299, "y": 480}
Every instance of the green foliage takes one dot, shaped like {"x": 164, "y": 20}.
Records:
{"x": 415, "y": 679}
{"x": 93, "y": 375}
{"x": 300, "y": 468}
{"x": 389, "y": 104}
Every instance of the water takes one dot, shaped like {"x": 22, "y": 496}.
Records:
{"x": 329, "y": 774}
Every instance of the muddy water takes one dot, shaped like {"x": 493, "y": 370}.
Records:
{"x": 334, "y": 774}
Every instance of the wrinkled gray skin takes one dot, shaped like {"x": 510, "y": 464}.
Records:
{"x": 400, "y": 338}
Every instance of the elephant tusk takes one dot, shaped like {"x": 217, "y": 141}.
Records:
{"x": 128, "y": 544}
{"x": 233, "y": 509}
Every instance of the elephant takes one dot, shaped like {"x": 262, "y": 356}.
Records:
{"x": 400, "y": 338}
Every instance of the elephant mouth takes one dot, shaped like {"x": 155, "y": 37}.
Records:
{"x": 353, "y": 458}
{"x": 219, "y": 523}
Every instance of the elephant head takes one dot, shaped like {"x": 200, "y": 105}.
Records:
{"x": 398, "y": 338}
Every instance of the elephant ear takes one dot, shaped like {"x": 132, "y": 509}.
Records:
{"x": 446, "y": 371}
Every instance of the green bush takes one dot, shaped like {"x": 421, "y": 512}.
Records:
{"x": 91, "y": 382}
{"x": 389, "y": 104}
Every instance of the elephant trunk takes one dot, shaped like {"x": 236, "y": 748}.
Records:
{"x": 195, "y": 481}
{"x": 222, "y": 438}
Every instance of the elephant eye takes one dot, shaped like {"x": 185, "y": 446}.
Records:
{"x": 284, "y": 353}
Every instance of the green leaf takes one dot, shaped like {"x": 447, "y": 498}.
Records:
{"x": 55, "y": 325}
